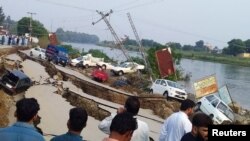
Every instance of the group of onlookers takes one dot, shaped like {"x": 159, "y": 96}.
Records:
{"x": 13, "y": 40}
{"x": 120, "y": 126}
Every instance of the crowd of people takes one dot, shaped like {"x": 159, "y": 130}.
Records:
{"x": 13, "y": 40}
{"x": 120, "y": 126}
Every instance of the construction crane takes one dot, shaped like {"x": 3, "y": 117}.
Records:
{"x": 141, "y": 49}
{"x": 118, "y": 41}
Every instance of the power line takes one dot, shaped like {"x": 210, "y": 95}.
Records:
{"x": 139, "y": 5}
{"x": 65, "y": 5}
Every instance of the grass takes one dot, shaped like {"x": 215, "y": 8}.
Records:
{"x": 220, "y": 58}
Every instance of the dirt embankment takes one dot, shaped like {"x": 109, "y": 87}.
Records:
{"x": 5, "y": 103}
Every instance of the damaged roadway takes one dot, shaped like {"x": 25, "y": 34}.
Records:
{"x": 99, "y": 100}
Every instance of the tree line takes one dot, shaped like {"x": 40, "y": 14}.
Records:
{"x": 76, "y": 37}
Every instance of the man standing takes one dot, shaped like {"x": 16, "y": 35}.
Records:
{"x": 122, "y": 127}
{"x": 23, "y": 129}
{"x": 132, "y": 105}
{"x": 200, "y": 128}
{"x": 178, "y": 124}
{"x": 77, "y": 121}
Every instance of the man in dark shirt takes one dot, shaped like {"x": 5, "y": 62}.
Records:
{"x": 77, "y": 121}
{"x": 199, "y": 131}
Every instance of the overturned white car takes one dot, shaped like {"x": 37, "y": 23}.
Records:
{"x": 213, "y": 106}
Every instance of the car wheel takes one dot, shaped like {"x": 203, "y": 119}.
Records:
{"x": 31, "y": 53}
{"x": 197, "y": 107}
{"x": 104, "y": 67}
{"x": 77, "y": 65}
{"x": 86, "y": 66}
{"x": 120, "y": 73}
{"x": 150, "y": 91}
{"x": 165, "y": 94}
{"x": 211, "y": 116}
{"x": 40, "y": 56}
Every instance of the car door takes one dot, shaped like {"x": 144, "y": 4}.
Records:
{"x": 162, "y": 86}
{"x": 36, "y": 52}
{"x": 156, "y": 86}
{"x": 210, "y": 104}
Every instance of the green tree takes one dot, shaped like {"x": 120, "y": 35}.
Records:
{"x": 73, "y": 53}
{"x": 154, "y": 66}
{"x": 235, "y": 46}
{"x": 2, "y": 16}
{"x": 10, "y": 25}
{"x": 69, "y": 36}
{"x": 38, "y": 29}
{"x": 199, "y": 46}
{"x": 247, "y": 43}
{"x": 188, "y": 47}
{"x": 174, "y": 45}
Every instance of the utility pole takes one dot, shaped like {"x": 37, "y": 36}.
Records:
{"x": 30, "y": 26}
{"x": 141, "y": 49}
{"x": 118, "y": 41}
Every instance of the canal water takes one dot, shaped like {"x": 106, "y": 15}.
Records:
{"x": 237, "y": 78}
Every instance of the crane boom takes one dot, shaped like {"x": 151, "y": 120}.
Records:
{"x": 141, "y": 49}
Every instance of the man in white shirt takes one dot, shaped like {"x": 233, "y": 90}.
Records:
{"x": 132, "y": 106}
{"x": 178, "y": 124}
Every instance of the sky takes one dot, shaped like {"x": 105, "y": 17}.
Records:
{"x": 184, "y": 21}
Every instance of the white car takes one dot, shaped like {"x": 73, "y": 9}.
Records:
{"x": 38, "y": 52}
{"x": 105, "y": 65}
{"x": 77, "y": 62}
{"x": 127, "y": 67}
{"x": 213, "y": 106}
{"x": 168, "y": 89}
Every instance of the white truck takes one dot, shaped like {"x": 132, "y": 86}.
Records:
{"x": 127, "y": 67}
{"x": 86, "y": 61}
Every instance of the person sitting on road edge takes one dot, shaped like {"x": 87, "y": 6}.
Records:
{"x": 23, "y": 130}
{"x": 132, "y": 105}
{"x": 77, "y": 121}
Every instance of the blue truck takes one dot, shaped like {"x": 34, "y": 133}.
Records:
{"x": 57, "y": 54}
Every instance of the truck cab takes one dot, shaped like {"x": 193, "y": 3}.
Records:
{"x": 57, "y": 54}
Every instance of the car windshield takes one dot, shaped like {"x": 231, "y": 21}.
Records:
{"x": 79, "y": 58}
{"x": 123, "y": 65}
{"x": 10, "y": 79}
{"x": 174, "y": 84}
{"x": 226, "y": 111}
{"x": 61, "y": 53}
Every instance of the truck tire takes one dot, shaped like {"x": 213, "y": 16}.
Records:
{"x": 86, "y": 66}
{"x": 104, "y": 67}
{"x": 120, "y": 73}
{"x": 165, "y": 94}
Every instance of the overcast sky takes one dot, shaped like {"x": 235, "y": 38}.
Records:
{"x": 185, "y": 21}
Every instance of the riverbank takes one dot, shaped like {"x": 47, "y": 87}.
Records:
{"x": 219, "y": 58}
